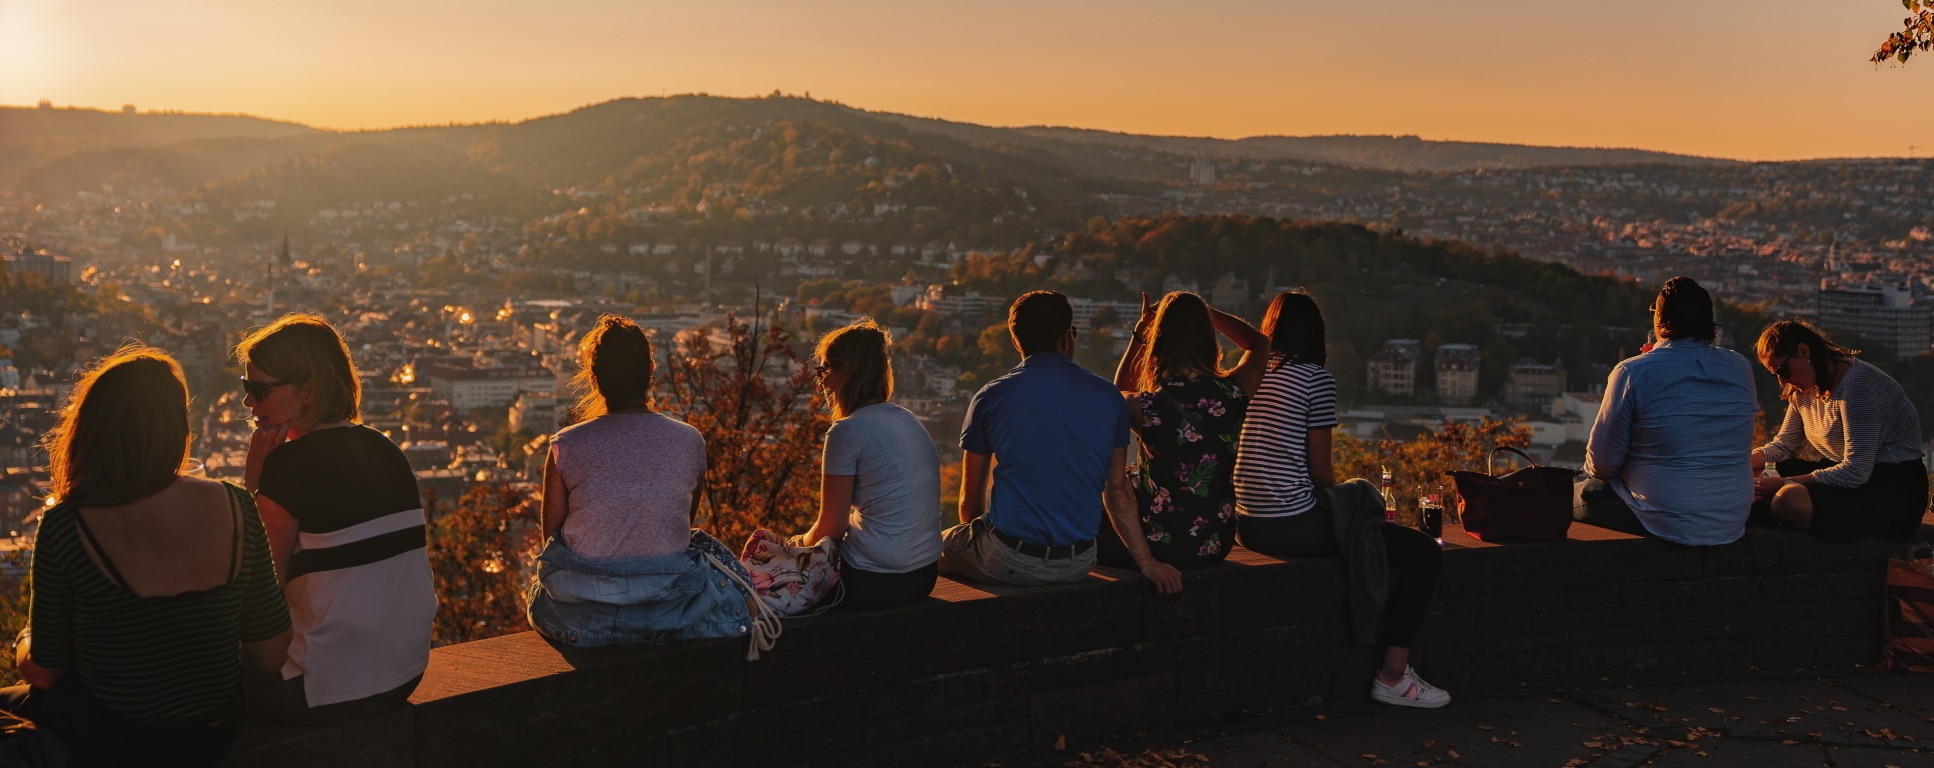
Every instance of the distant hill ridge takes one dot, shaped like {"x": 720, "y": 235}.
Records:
{"x": 1393, "y": 153}
{"x": 30, "y": 136}
{"x": 33, "y": 138}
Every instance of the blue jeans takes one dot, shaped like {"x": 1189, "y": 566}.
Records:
{"x": 640, "y": 600}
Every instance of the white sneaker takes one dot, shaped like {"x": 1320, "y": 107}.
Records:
{"x": 1411, "y": 691}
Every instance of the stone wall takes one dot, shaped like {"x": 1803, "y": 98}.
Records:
{"x": 979, "y": 674}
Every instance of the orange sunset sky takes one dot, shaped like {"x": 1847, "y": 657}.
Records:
{"x": 1764, "y": 79}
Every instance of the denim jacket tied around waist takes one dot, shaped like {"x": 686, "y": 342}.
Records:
{"x": 586, "y": 602}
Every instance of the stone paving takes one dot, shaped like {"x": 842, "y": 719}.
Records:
{"x": 1855, "y": 719}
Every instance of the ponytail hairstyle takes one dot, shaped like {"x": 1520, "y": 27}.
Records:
{"x": 859, "y": 353}
{"x": 1294, "y": 326}
{"x": 614, "y": 368}
{"x": 1783, "y": 339}
{"x": 1182, "y": 343}
{"x": 123, "y": 435}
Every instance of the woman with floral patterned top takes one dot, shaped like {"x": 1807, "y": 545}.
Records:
{"x": 1187, "y": 412}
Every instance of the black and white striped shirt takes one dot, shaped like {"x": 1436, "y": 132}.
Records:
{"x": 1867, "y": 420}
{"x": 1272, "y": 457}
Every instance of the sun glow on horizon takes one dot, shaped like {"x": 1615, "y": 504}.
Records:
{"x": 1728, "y": 78}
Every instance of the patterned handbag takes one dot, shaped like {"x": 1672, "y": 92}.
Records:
{"x": 791, "y": 580}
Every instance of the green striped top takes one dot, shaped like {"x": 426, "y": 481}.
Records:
{"x": 153, "y": 660}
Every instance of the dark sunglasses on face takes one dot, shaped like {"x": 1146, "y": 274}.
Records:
{"x": 260, "y": 389}
{"x": 1781, "y": 372}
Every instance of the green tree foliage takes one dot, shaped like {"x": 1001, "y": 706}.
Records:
{"x": 1916, "y": 34}
{"x": 482, "y": 552}
{"x": 750, "y": 393}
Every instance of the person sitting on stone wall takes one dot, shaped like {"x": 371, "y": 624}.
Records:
{"x": 1188, "y": 413}
{"x": 1054, "y": 437}
{"x": 1668, "y": 456}
{"x": 623, "y": 564}
{"x": 880, "y": 481}
{"x": 1869, "y": 481}
{"x": 1291, "y": 505}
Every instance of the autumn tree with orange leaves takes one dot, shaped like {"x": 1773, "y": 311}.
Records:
{"x": 482, "y": 554}
{"x": 751, "y": 394}
{"x": 1422, "y": 463}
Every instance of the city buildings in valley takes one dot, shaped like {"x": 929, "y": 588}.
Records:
{"x": 1882, "y": 314}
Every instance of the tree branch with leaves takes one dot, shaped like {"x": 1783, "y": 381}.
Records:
{"x": 1917, "y": 33}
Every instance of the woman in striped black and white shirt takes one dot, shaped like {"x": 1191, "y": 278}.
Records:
{"x": 1290, "y": 505}
{"x": 1871, "y": 481}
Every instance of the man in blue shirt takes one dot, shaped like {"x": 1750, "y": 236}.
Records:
{"x": 1055, "y": 438}
{"x": 1670, "y": 454}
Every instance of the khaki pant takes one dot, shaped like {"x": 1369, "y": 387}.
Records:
{"x": 971, "y": 552}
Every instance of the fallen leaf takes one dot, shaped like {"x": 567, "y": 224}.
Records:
{"x": 1701, "y": 753}
{"x": 1592, "y": 744}
{"x": 1838, "y": 708}
{"x": 1322, "y": 717}
{"x": 1788, "y": 741}
{"x": 1368, "y": 756}
{"x": 1486, "y": 728}
{"x": 1716, "y": 710}
{"x": 1428, "y": 743}
{"x": 1060, "y": 743}
{"x": 1453, "y": 754}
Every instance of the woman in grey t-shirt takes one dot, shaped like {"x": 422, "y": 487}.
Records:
{"x": 880, "y": 491}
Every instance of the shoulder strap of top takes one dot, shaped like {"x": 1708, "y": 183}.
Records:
{"x": 95, "y": 544}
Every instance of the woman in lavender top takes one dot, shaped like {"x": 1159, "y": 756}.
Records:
{"x": 623, "y": 564}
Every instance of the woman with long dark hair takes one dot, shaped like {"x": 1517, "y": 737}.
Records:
{"x": 1870, "y": 481}
{"x": 346, "y": 526}
{"x": 880, "y": 481}
{"x": 1292, "y": 506}
{"x": 623, "y": 564}
{"x": 1188, "y": 413}
{"x": 145, "y": 580}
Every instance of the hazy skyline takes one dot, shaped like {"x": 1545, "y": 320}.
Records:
{"x": 1762, "y": 79}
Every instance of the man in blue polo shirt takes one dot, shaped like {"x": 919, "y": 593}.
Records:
{"x": 1055, "y": 438}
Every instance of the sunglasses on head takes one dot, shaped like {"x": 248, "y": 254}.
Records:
{"x": 260, "y": 389}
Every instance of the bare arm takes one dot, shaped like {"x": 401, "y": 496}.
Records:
{"x": 1322, "y": 463}
{"x": 269, "y": 654}
{"x": 282, "y": 531}
{"x": 1125, "y": 513}
{"x": 557, "y": 498}
{"x": 34, "y": 674}
{"x": 1128, "y": 372}
{"x": 835, "y": 509}
{"x": 974, "y": 471}
{"x": 1255, "y": 349}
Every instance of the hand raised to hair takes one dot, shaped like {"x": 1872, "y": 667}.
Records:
{"x": 1147, "y": 320}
